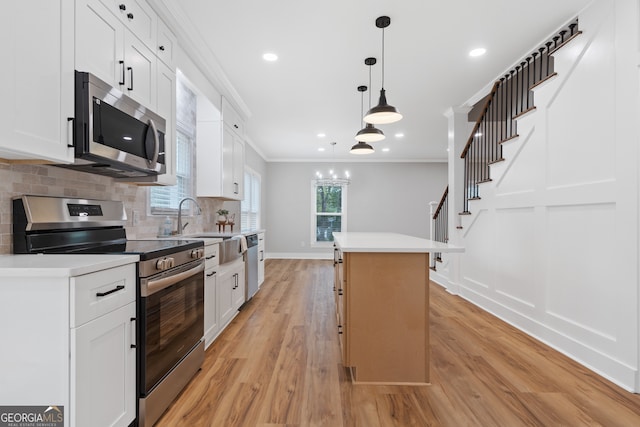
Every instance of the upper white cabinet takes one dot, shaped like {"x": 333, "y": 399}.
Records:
{"x": 220, "y": 155}
{"x": 37, "y": 76}
{"x": 108, "y": 48}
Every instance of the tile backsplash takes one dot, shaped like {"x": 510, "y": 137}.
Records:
{"x": 45, "y": 180}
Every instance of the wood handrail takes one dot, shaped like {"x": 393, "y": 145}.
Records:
{"x": 442, "y": 201}
{"x": 480, "y": 118}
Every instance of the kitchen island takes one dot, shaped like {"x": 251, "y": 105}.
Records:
{"x": 382, "y": 305}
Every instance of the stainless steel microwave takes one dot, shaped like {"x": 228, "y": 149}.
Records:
{"x": 113, "y": 134}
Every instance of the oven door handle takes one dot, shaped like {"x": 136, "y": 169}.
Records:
{"x": 157, "y": 285}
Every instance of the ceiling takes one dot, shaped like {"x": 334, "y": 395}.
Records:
{"x": 321, "y": 45}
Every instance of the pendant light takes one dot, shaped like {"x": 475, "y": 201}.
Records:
{"x": 382, "y": 113}
{"x": 361, "y": 147}
{"x": 370, "y": 133}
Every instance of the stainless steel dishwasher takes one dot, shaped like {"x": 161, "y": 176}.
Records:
{"x": 251, "y": 266}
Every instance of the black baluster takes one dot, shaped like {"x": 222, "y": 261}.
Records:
{"x": 511, "y": 130}
{"x": 541, "y": 59}
{"x": 528, "y": 80}
{"x": 506, "y": 105}
{"x": 502, "y": 122}
{"x": 522, "y": 88}
{"x": 572, "y": 27}
{"x": 534, "y": 55}
{"x": 548, "y": 55}
{"x": 555, "y": 42}
{"x": 517, "y": 89}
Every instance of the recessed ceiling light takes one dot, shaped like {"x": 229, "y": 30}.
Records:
{"x": 399, "y": 135}
{"x": 447, "y": 150}
{"x": 478, "y": 52}
{"x": 270, "y": 57}
{"x": 385, "y": 149}
{"x": 321, "y": 149}
{"x": 321, "y": 135}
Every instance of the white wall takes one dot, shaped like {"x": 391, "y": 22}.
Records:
{"x": 381, "y": 197}
{"x": 552, "y": 246}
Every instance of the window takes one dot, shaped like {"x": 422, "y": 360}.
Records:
{"x": 165, "y": 200}
{"x": 329, "y": 212}
{"x": 250, "y": 205}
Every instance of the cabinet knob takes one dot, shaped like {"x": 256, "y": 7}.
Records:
{"x": 130, "y": 15}
{"x": 161, "y": 48}
{"x": 122, "y": 7}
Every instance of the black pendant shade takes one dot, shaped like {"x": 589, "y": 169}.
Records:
{"x": 361, "y": 148}
{"x": 369, "y": 133}
{"x": 383, "y": 113}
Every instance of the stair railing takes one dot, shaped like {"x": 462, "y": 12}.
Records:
{"x": 510, "y": 98}
{"x": 441, "y": 225}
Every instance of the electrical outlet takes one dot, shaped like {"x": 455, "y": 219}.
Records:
{"x": 135, "y": 217}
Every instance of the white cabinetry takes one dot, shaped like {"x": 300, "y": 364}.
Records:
{"x": 220, "y": 159}
{"x": 108, "y": 48}
{"x": 37, "y": 76}
{"x": 73, "y": 338}
{"x": 230, "y": 286}
{"x": 260, "y": 258}
{"x": 211, "y": 314}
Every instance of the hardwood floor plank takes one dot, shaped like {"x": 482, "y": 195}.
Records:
{"x": 279, "y": 364}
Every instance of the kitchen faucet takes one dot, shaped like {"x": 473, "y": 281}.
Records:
{"x": 180, "y": 227}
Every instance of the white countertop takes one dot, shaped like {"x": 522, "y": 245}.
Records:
{"x": 389, "y": 242}
{"x": 63, "y": 265}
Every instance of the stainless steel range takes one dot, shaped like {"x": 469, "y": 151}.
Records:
{"x": 170, "y": 309}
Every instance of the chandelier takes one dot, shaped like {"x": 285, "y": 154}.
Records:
{"x": 332, "y": 179}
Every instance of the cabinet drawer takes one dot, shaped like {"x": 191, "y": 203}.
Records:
{"x": 95, "y": 294}
{"x": 211, "y": 258}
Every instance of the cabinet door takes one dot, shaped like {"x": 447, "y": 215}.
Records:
{"x": 103, "y": 370}
{"x": 100, "y": 42}
{"x": 210, "y": 307}
{"x": 239, "y": 291}
{"x": 140, "y": 75}
{"x": 37, "y": 76}
{"x": 166, "y": 100}
{"x": 224, "y": 286}
{"x": 238, "y": 168}
{"x": 228, "y": 187}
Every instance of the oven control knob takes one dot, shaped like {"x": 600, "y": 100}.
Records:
{"x": 161, "y": 264}
{"x": 197, "y": 253}
{"x": 171, "y": 262}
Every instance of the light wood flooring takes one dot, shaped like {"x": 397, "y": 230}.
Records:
{"x": 278, "y": 364}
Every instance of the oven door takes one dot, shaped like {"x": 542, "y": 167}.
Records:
{"x": 172, "y": 320}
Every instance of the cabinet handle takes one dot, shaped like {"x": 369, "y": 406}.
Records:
{"x": 209, "y": 257}
{"x": 130, "y": 16}
{"x": 161, "y": 48}
{"x": 133, "y": 332}
{"x": 130, "y": 78}
{"x": 116, "y": 289}
{"x": 261, "y": 255}
{"x": 236, "y": 186}
{"x": 235, "y": 126}
{"x": 121, "y": 82}
{"x": 122, "y": 7}
{"x": 211, "y": 274}
{"x": 70, "y": 141}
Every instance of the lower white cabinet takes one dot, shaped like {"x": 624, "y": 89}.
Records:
{"x": 211, "y": 313}
{"x": 230, "y": 290}
{"x": 260, "y": 259}
{"x": 103, "y": 384}
{"x": 70, "y": 338}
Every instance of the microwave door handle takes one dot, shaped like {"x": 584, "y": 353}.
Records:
{"x": 156, "y": 138}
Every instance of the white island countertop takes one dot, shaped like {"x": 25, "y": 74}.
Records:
{"x": 389, "y": 242}
{"x": 62, "y": 265}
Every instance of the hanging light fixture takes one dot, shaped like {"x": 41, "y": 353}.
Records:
{"x": 369, "y": 133}
{"x": 332, "y": 179}
{"x": 361, "y": 147}
{"x": 382, "y": 113}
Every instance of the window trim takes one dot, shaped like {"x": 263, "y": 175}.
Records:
{"x": 313, "y": 225}
{"x": 258, "y": 177}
